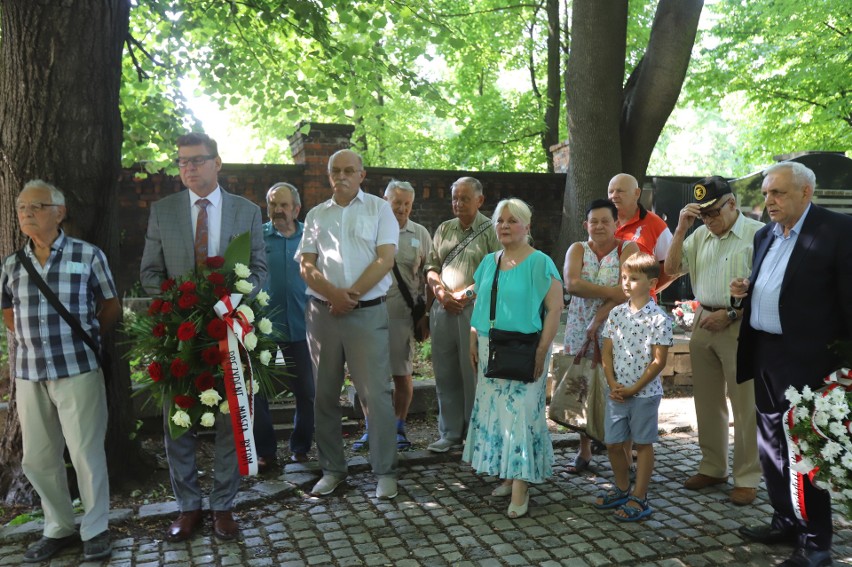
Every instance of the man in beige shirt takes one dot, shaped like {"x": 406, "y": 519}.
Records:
{"x": 716, "y": 253}
{"x": 459, "y": 245}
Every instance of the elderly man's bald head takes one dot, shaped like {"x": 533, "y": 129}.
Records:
{"x": 623, "y": 190}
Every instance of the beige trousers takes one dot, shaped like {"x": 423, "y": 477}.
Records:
{"x": 714, "y": 376}
{"x": 54, "y": 413}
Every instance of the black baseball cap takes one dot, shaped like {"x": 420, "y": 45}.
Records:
{"x": 708, "y": 190}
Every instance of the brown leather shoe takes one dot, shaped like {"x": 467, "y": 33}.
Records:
{"x": 299, "y": 458}
{"x": 742, "y": 495}
{"x": 224, "y": 525}
{"x": 699, "y": 481}
{"x": 185, "y": 524}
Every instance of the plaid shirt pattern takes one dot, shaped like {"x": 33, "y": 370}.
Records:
{"x": 47, "y": 348}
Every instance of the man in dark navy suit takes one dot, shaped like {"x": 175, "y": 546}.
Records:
{"x": 797, "y": 302}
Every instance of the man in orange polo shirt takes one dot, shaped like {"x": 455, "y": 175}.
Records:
{"x": 636, "y": 223}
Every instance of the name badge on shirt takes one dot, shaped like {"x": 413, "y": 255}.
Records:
{"x": 76, "y": 267}
{"x": 415, "y": 243}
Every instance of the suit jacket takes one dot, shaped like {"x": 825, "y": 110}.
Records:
{"x": 170, "y": 247}
{"x": 815, "y": 305}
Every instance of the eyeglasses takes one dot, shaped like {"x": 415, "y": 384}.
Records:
{"x": 195, "y": 160}
{"x": 348, "y": 172}
{"x": 33, "y": 207}
{"x": 713, "y": 213}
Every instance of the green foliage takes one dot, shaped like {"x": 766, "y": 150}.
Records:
{"x": 790, "y": 62}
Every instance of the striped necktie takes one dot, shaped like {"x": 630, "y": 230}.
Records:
{"x": 201, "y": 232}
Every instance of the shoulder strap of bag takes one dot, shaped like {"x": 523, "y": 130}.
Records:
{"x": 72, "y": 321}
{"x": 494, "y": 289}
{"x": 403, "y": 289}
{"x": 463, "y": 244}
{"x": 620, "y": 246}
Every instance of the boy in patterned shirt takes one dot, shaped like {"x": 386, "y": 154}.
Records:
{"x": 636, "y": 341}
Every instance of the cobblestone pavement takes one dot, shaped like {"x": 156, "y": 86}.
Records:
{"x": 444, "y": 515}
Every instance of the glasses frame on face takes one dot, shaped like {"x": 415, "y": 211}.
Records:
{"x": 197, "y": 161}
{"x": 23, "y": 208}
{"x": 713, "y": 213}
{"x": 347, "y": 171}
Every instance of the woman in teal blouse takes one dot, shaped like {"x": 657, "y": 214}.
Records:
{"x": 507, "y": 436}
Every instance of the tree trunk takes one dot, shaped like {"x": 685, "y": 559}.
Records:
{"x": 654, "y": 86}
{"x": 594, "y": 81}
{"x": 60, "y": 74}
{"x": 612, "y": 127}
{"x": 554, "y": 82}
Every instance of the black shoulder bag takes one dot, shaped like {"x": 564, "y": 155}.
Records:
{"x": 418, "y": 310}
{"x": 72, "y": 321}
{"x": 511, "y": 355}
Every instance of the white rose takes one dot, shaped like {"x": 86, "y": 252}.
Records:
{"x": 208, "y": 419}
{"x": 793, "y": 395}
{"x": 246, "y": 310}
{"x": 255, "y": 387}
{"x": 263, "y": 298}
{"x": 241, "y": 270}
{"x": 250, "y": 341}
{"x": 265, "y": 356}
{"x": 210, "y": 397}
{"x": 846, "y": 461}
{"x": 265, "y": 326}
{"x": 244, "y": 286}
{"x": 181, "y": 419}
{"x": 224, "y": 408}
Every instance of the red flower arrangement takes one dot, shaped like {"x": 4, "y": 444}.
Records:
{"x": 180, "y": 339}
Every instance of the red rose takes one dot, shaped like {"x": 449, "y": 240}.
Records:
{"x": 187, "y": 301}
{"x": 215, "y": 262}
{"x": 221, "y": 291}
{"x": 179, "y": 368}
{"x": 184, "y": 402}
{"x": 166, "y": 307}
{"x": 187, "y": 287}
{"x": 204, "y": 381}
{"x": 211, "y": 356}
{"x": 216, "y": 278}
{"x": 155, "y": 371}
{"x": 167, "y": 285}
{"x": 217, "y": 329}
{"x": 159, "y": 330}
{"x": 155, "y": 306}
{"x": 186, "y": 331}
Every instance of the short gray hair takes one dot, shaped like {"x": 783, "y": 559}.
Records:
{"x": 472, "y": 181}
{"x": 802, "y": 175}
{"x": 399, "y": 185}
{"x": 293, "y": 191}
{"x": 56, "y": 196}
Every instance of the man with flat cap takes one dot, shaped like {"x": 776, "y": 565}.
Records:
{"x": 716, "y": 253}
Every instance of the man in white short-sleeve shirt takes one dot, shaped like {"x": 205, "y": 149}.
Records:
{"x": 346, "y": 255}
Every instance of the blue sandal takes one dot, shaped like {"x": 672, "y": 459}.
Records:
{"x": 632, "y": 513}
{"x": 402, "y": 442}
{"x": 612, "y": 498}
{"x": 361, "y": 444}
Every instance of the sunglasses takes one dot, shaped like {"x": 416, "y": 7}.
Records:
{"x": 713, "y": 213}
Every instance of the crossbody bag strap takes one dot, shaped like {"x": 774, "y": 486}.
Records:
{"x": 403, "y": 289}
{"x": 463, "y": 244}
{"x": 494, "y": 290}
{"x": 48, "y": 293}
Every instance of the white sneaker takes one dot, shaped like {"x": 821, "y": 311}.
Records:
{"x": 327, "y": 484}
{"x": 444, "y": 445}
{"x": 386, "y": 488}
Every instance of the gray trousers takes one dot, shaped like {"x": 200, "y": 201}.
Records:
{"x": 359, "y": 339}
{"x": 455, "y": 380}
{"x": 183, "y": 469}
{"x": 70, "y": 411}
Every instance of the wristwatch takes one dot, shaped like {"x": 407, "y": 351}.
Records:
{"x": 732, "y": 314}
{"x": 468, "y": 293}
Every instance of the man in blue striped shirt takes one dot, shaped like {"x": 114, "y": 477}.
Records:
{"x": 61, "y": 397}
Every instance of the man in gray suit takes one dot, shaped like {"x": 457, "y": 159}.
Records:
{"x": 183, "y": 230}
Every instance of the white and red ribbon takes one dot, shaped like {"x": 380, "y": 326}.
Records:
{"x": 238, "y": 388}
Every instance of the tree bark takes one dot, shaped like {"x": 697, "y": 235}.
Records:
{"x": 60, "y": 74}
{"x": 613, "y": 127}
{"x": 554, "y": 82}
{"x": 595, "y": 75}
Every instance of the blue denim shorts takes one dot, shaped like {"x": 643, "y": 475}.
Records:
{"x": 634, "y": 419}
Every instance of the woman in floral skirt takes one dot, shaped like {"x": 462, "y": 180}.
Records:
{"x": 507, "y": 436}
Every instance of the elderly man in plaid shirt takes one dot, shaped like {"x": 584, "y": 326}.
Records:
{"x": 61, "y": 395}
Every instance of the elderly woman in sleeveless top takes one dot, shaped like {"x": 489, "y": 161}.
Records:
{"x": 591, "y": 276}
